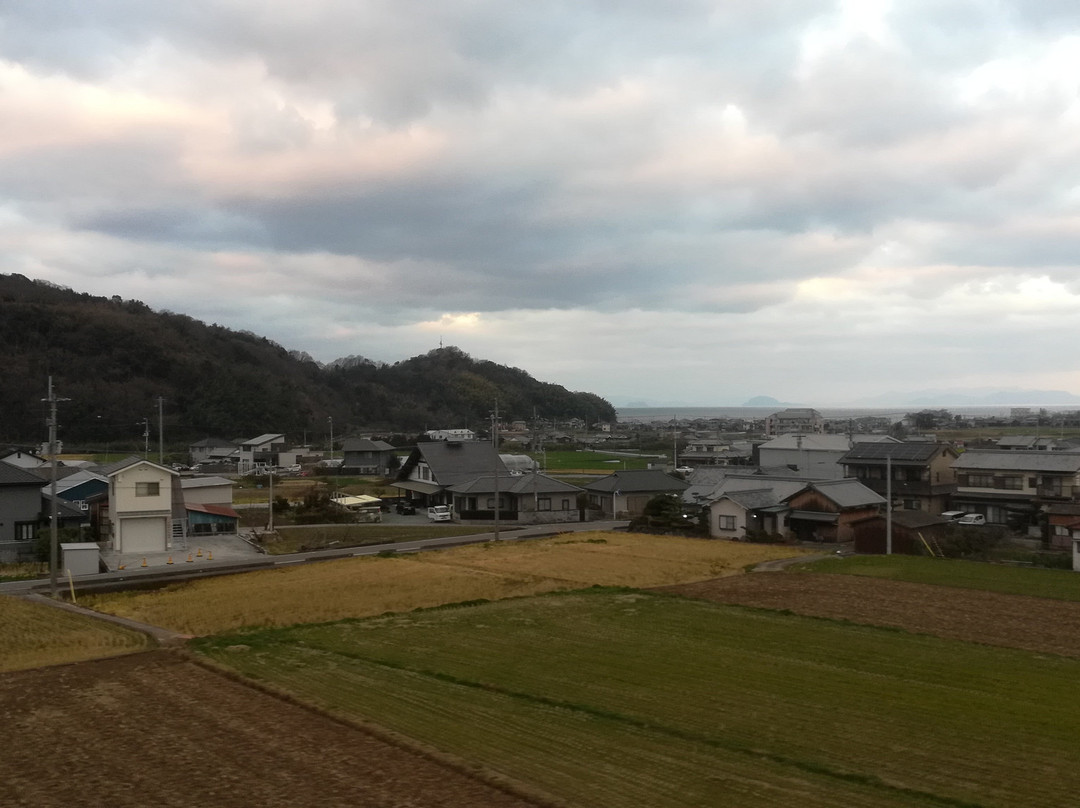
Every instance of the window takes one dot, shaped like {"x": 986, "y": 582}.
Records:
{"x": 981, "y": 480}
{"x": 1061, "y": 530}
{"x": 1012, "y": 483}
{"x": 543, "y": 504}
{"x": 24, "y": 531}
{"x": 566, "y": 504}
{"x": 726, "y": 523}
{"x": 147, "y": 489}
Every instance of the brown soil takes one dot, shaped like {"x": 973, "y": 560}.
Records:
{"x": 155, "y": 729}
{"x": 1014, "y": 621}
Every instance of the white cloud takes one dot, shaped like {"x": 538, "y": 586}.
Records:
{"x": 809, "y": 200}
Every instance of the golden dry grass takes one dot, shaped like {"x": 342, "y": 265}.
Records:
{"x": 362, "y": 587}
{"x": 33, "y": 635}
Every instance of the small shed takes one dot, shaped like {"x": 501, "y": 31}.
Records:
{"x": 204, "y": 520}
{"x": 81, "y": 558}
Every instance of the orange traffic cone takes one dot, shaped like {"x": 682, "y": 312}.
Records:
{"x": 144, "y": 561}
{"x": 169, "y": 561}
{"x": 210, "y": 555}
{"x": 189, "y": 558}
{"x": 199, "y": 554}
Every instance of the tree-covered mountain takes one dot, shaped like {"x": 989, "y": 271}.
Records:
{"x": 113, "y": 358}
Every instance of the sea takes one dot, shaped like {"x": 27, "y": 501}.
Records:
{"x": 648, "y": 415}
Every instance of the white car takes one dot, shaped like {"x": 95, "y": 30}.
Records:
{"x": 972, "y": 519}
{"x": 440, "y": 513}
{"x": 954, "y": 516}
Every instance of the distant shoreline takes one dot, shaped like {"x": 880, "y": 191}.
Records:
{"x": 649, "y": 414}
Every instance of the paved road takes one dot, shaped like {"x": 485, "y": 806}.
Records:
{"x": 182, "y": 571}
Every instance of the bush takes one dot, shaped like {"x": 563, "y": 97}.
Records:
{"x": 970, "y": 542}
{"x": 43, "y": 542}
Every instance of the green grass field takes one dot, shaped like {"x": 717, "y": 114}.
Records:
{"x": 620, "y": 698}
{"x": 1042, "y": 583}
{"x": 585, "y": 462}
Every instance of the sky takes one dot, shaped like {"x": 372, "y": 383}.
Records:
{"x": 679, "y": 202}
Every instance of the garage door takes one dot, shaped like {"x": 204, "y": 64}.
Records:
{"x": 143, "y": 534}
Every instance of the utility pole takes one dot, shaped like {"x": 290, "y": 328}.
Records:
{"x": 888, "y": 504}
{"x": 495, "y": 440}
{"x": 160, "y": 431}
{"x": 146, "y": 438}
{"x": 330, "y": 418}
{"x": 54, "y": 540}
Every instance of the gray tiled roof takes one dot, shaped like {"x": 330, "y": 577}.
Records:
{"x": 638, "y": 481}
{"x": 848, "y": 493}
{"x": 896, "y": 452}
{"x": 455, "y": 462}
{"x": 975, "y": 460}
{"x": 16, "y": 475}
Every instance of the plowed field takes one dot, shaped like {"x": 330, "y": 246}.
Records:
{"x": 153, "y": 729}
{"x": 1013, "y": 621}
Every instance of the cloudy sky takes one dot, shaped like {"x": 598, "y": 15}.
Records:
{"x": 688, "y": 201}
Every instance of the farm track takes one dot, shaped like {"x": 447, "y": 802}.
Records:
{"x": 155, "y": 729}
{"x": 1012, "y": 621}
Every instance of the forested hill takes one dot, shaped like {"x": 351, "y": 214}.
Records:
{"x": 113, "y": 358}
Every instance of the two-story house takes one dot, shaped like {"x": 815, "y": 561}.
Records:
{"x": 260, "y": 452}
{"x": 1013, "y": 487}
{"x": 922, "y": 474}
{"x": 145, "y": 509}
{"x": 364, "y": 456}
{"x": 802, "y": 420}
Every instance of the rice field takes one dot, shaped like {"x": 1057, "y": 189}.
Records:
{"x": 34, "y": 635}
{"x": 616, "y": 698}
{"x": 362, "y": 587}
{"x": 1006, "y": 579}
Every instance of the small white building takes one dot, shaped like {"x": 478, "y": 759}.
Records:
{"x": 451, "y": 434}
{"x": 141, "y": 506}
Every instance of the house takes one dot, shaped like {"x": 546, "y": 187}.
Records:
{"x": 79, "y": 487}
{"x": 531, "y": 497}
{"x": 23, "y": 459}
{"x": 260, "y": 452}
{"x": 743, "y": 502}
{"x": 826, "y": 511}
{"x": 801, "y": 420}
{"x": 1033, "y": 443}
{"x": 434, "y": 466}
{"x": 144, "y": 511}
{"x": 1013, "y": 487}
{"x": 714, "y": 452}
{"x": 451, "y": 434}
{"x": 25, "y": 508}
{"x": 923, "y": 477}
{"x": 212, "y": 451}
{"x": 816, "y": 456}
{"x": 207, "y": 490}
{"x": 735, "y": 514}
{"x": 364, "y": 456}
{"x": 623, "y": 494}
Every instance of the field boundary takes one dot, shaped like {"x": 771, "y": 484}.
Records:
{"x": 161, "y": 636}
{"x": 476, "y": 771}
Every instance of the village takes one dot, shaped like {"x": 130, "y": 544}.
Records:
{"x": 868, "y": 485}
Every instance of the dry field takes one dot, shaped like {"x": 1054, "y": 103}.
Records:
{"x": 153, "y": 729}
{"x": 363, "y": 587}
{"x": 1013, "y": 621}
{"x": 33, "y": 634}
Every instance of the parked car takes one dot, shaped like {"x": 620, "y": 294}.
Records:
{"x": 971, "y": 519}
{"x": 405, "y": 507}
{"x": 953, "y": 516}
